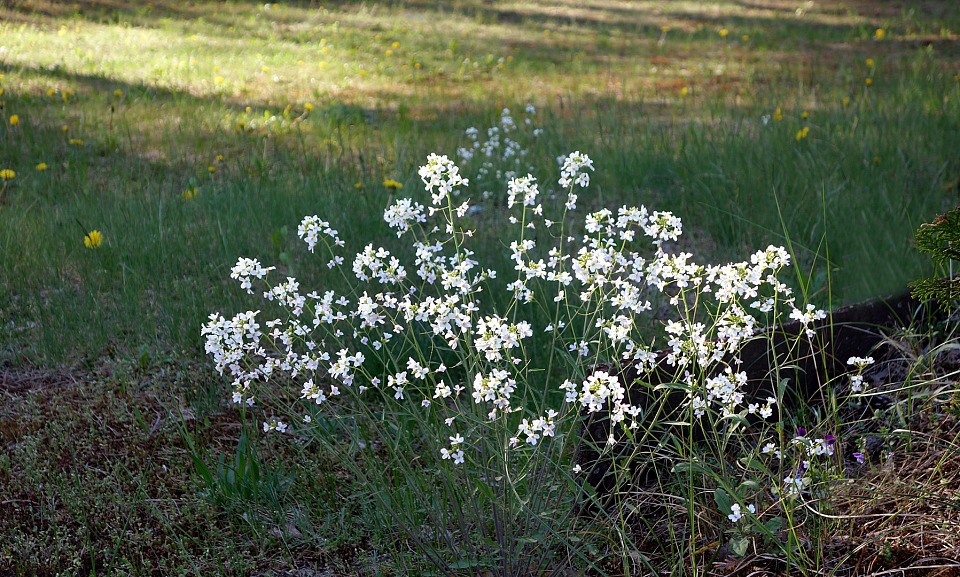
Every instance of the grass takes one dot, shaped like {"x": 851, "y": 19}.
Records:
{"x": 271, "y": 113}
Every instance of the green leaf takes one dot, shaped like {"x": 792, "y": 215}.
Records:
{"x": 723, "y": 501}
{"x": 773, "y": 525}
{"x": 739, "y": 546}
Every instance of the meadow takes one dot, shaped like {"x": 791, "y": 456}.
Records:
{"x": 146, "y": 147}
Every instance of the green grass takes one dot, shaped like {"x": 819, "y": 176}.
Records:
{"x": 161, "y": 93}
{"x": 606, "y": 84}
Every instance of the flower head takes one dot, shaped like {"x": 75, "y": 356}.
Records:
{"x": 7, "y": 174}
{"x": 42, "y": 166}
{"x": 392, "y": 184}
{"x": 14, "y": 120}
{"x": 93, "y": 239}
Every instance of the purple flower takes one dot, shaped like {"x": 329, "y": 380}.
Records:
{"x": 801, "y": 432}
{"x": 859, "y": 457}
{"x": 830, "y": 439}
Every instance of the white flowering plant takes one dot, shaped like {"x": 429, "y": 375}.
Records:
{"x": 461, "y": 389}
{"x": 500, "y": 152}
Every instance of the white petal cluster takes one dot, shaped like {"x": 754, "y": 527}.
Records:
{"x": 440, "y": 174}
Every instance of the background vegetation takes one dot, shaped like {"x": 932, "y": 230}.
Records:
{"x": 189, "y": 134}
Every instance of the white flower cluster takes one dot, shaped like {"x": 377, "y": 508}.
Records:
{"x": 736, "y": 512}
{"x": 442, "y": 175}
{"x": 403, "y": 214}
{"x": 535, "y": 430}
{"x": 373, "y": 336}
{"x": 502, "y": 154}
{"x": 246, "y": 268}
{"x": 861, "y": 363}
{"x": 310, "y": 229}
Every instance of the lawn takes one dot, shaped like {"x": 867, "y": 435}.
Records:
{"x": 147, "y": 146}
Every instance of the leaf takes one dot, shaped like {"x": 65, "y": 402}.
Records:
{"x": 739, "y": 546}
{"x": 773, "y": 525}
{"x": 723, "y": 501}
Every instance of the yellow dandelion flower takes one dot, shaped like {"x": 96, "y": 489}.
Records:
{"x": 7, "y": 174}
{"x": 805, "y": 115}
{"x": 65, "y": 128}
{"x": 51, "y": 91}
{"x": 684, "y": 91}
{"x": 358, "y": 185}
{"x": 389, "y": 52}
{"x": 395, "y": 45}
{"x": 42, "y": 166}
{"x": 308, "y": 106}
{"x": 14, "y": 120}
{"x": 664, "y": 28}
{"x": 870, "y": 62}
{"x": 264, "y": 69}
{"x": 802, "y": 133}
{"x": 219, "y": 158}
{"x": 392, "y": 184}
{"x": 846, "y": 100}
{"x": 868, "y": 81}
{"x": 745, "y": 38}
{"x": 211, "y": 169}
{"x": 724, "y": 32}
{"x": 93, "y": 239}
{"x": 778, "y": 114}
{"x": 189, "y": 193}
{"x": 118, "y": 93}
{"x": 76, "y": 142}
{"x": 879, "y": 33}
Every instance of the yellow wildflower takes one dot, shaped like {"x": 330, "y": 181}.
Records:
{"x": 51, "y": 91}
{"x": 389, "y": 52}
{"x": 684, "y": 91}
{"x": 14, "y": 120}
{"x": 42, "y": 166}
{"x": 189, "y": 193}
{"x": 7, "y": 174}
{"x": 724, "y": 32}
{"x": 802, "y": 133}
{"x": 879, "y": 33}
{"x": 846, "y": 100}
{"x": 219, "y": 158}
{"x": 778, "y": 114}
{"x": 118, "y": 93}
{"x": 93, "y": 239}
{"x": 870, "y": 62}
{"x": 868, "y": 81}
{"x": 308, "y": 107}
{"x": 358, "y": 185}
{"x": 805, "y": 115}
{"x": 211, "y": 169}
{"x": 76, "y": 142}
{"x": 395, "y": 45}
{"x": 392, "y": 184}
